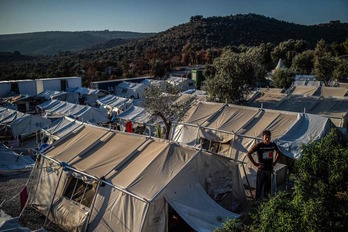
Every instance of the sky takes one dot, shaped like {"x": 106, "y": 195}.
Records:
{"x": 20, "y": 16}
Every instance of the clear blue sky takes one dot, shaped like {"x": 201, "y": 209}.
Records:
{"x": 18, "y": 16}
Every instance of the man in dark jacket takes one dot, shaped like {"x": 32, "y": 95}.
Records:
{"x": 265, "y": 152}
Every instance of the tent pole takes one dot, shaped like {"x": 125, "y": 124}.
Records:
{"x": 143, "y": 220}
{"x": 246, "y": 177}
{"x": 197, "y": 135}
{"x": 92, "y": 206}
{"x": 232, "y": 144}
{"x": 54, "y": 195}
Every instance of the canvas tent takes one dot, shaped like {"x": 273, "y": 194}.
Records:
{"x": 232, "y": 130}
{"x": 20, "y": 123}
{"x": 58, "y": 109}
{"x": 11, "y": 162}
{"x": 130, "y": 179}
{"x": 51, "y": 94}
{"x": 181, "y": 83}
{"x": 60, "y": 128}
{"x": 113, "y": 103}
{"x": 280, "y": 65}
{"x": 130, "y": 90}
{"x": 322, "y": 102}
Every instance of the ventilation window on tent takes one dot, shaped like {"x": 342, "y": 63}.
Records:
{"x": 80, "y": 191}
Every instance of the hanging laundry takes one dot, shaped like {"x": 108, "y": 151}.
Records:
{"x": 129, "y": 127}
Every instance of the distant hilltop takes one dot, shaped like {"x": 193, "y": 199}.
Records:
{"x": 53, "y": 42}
{"x": 211, "y": 32}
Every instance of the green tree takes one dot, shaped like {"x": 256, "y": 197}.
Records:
{"x": 319, "y": 200}
{"x": 287, "y": 50}
{"x": 303, "y": 62}
{"x": 324, "y": 62}
{"x": 163, "y": 104}
{"x": 282, "y": 78}
{"x": 234, "y": 78}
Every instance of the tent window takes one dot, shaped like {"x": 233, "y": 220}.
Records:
{"x": 124, "y": 90}
{"x": 79, "y": 191}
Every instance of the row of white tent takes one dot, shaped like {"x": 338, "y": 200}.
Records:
{"x": 129, "y": 180}
{"x": 57, "y": 109}
{"x": 19, "y": 123}
{"x": 232, "y": 130}
{"x": 331, "y": 102}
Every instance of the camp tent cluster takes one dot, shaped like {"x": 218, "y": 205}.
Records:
{"x": 330, "y": 102}
{"x": 116, "y": 181}
{"x": 19, "y": 123}
{"x": 232, "y": 130}
{"x": 56, "y": 109}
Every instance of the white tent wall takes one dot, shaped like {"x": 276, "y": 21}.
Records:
{"x": 44, "y": 184}
{"x": 116, "y": 211}
{"x": 5, "y": 88}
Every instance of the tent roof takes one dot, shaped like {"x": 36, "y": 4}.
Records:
{"x": 112, "y": 101}
{"x": 136, "y": 114}
{"x": 304, "y": 90}
{"x": 49, "y": 94}
{"x": 11, "y": 162}
{"x": 132, "y": 162}
{"x": 22, "y": 123}
{"x": 249, "y": 122}
{"x": 82, "y": 112}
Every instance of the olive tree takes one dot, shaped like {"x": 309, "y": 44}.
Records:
{"x": 233, "y": 77}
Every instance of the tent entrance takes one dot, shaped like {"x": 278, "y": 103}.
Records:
{"x": 197, "y": 209}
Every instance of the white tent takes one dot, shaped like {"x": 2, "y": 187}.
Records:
{"x": 56, "y": 108}
{"x": 11, "y": 162}
{"x": 52, "y": 94}
{"x": 232, "y": 130}
{"x": 60, "y": 128}
{"x": 21, "y": 124}
{"x": 126, "y": 182}
{"x": 113, "y": 103}
{"x": 130, "y": 90}
{"x": 181, "y": 83}
{"x": 279, "y": 66}
{"x": 135, "y": 114}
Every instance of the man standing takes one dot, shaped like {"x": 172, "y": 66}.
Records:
{"x": 265, "y": 166}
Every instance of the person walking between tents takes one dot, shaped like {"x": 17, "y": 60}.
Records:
{"x": 265, "y": 151}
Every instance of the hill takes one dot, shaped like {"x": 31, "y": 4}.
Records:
{"x": 53, "y": 42}
{"x": 198, "y": 41}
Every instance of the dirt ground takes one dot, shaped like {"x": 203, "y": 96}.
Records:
{"x": 11, "y": 186}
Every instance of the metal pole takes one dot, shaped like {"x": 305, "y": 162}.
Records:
{"x": 92, "y": 206}
{"x": 145, "y": 214}
{"x": 54, "y": 195}
{"x": 72, "y": 194}
{"x": 84, "y": 193}
{"x": 232, "y": 145}
{"x": 246, "y": 177}
{"x": 195, "y": 143}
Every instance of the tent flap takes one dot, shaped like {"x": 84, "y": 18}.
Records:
{"x": 200, "y": 211}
